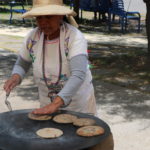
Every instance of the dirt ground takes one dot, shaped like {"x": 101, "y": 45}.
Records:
{"x": 125, "y": 110}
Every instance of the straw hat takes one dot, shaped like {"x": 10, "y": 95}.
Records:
{"x": 50, "y": 7}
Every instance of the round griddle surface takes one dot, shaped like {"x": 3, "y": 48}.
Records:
{"x": 17, "y": 131}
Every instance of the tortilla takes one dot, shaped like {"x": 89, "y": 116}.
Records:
{"x": 39, "y": 117}
{"x": 64, "y": 118}
{"x": 89, "y": 131}
{"x": 49, "y": 133}
{"x": 83, "y": 122}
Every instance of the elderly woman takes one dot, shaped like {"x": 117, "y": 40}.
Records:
{"x": 58, "y": 53}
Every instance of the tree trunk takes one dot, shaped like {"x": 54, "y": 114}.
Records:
{"x": 148, "y": 24}
{"x": 76, "y": 8}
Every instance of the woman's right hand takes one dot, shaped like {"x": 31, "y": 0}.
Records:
{"x": 11, "y": 83}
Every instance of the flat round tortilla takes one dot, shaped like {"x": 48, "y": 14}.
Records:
{"x": 49, "y": 133}
{"x": 39, "y": 117}
{"x": 89, "y": 131}
{"x": 83, "y": 122}
{"x": 64, "y": 118}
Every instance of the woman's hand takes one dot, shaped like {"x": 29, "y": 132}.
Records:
{"x": 11, "y": 83}
{"x": 50, "y": 108}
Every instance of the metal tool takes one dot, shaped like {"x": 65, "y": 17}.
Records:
{"x": 7, "y": 102}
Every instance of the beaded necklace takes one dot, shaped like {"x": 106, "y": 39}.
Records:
{"x": 52, "y": 91}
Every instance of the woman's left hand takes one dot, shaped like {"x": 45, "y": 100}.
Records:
{"x": 50, "y": 108}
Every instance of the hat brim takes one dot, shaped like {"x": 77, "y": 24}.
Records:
{"x": 48, "y": 10}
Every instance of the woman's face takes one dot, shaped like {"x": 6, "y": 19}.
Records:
{"x": 50, "y": 24}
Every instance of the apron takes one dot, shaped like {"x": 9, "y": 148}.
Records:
{"x": 84, "y": 99}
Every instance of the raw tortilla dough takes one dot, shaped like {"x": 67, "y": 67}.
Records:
{"x": 39, "y": 117}
{"x": 83, "y": 122}
{"x": 89, "y": 131}
{"x": 49, "y": 133}
{"x": 64, "y": 118}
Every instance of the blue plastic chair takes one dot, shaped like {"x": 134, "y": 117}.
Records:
{"x": 14, "y": 3}
{"x": 71, "y": 4}
{"x": 104, "y": 6}
{"x": 86, "y": 6}
{"x": 96, "y": 6}
{"x": 117, "y": 9}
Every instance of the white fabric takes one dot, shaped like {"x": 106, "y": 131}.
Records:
{"x": 72, "y": 43}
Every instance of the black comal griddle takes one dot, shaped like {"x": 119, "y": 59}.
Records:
{"x": 18, "y": 132}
